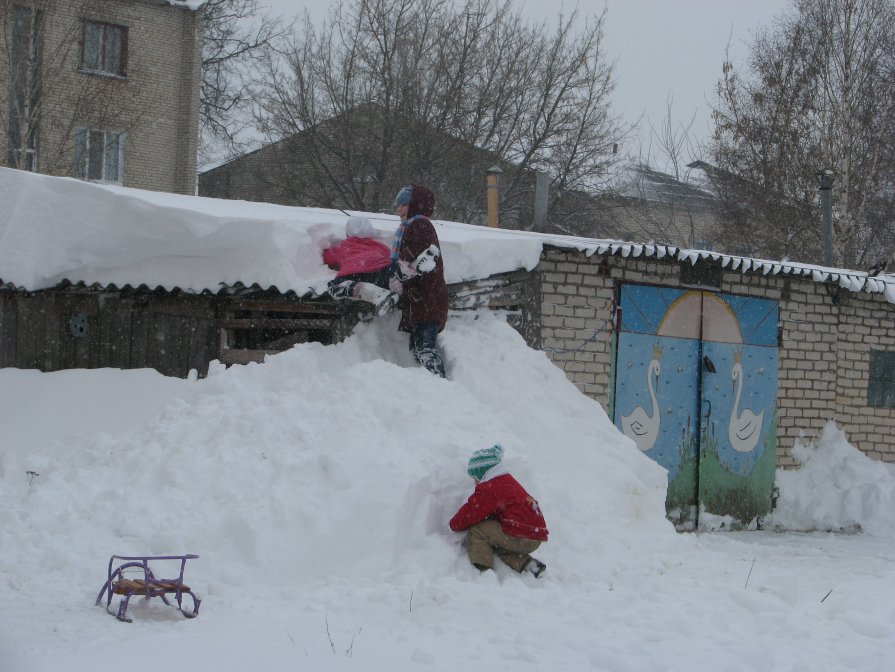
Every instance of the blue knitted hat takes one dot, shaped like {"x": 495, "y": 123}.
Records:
{"x": 482, "y": 460}
{"x": 404, "y": 196}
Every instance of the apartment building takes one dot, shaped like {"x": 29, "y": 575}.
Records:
{"x": 102, "y": 90}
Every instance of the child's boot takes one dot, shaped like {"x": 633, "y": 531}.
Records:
{"x": 382, "y": 299}
{"x": 536, "y": 567}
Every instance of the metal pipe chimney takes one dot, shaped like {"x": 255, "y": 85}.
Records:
{"x": 542, "y": 187}
{"x": 493, "y": 175}
{"x": 826, "y": 199}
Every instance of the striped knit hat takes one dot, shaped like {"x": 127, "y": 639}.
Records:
{"x": 482, "y": 460}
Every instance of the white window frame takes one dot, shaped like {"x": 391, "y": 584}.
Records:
{"x": 96, "y": 61}
{"x": 30, "y": 161}
{"x": 85, "y": 146}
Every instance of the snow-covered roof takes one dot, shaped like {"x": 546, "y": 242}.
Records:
{"x": 188, "y": 4}
{"x": 641, "y": 182}
{"x": 855, "y": 281}
{"x": 55, "y": 230}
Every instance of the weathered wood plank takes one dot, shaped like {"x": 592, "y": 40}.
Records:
{"x": 200, "y": 307}
{"x": 274, "y": 323}
{"x": 84, "y": 306}
{"x": 166, "y": 344}
{"x": 76, "y": 328}
{"x": 8, "y": 320}
{"x": 203, "y": 345}
{"x": 141, "y": 323}
{"x": 328, "y": 307}
{"x": 31, "y": 331}
{"x": 115, "y": 318}
{"x": 60, "y": 346}
{"x": 233, "y": 356}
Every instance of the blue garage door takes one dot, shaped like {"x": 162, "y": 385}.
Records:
{"x": 695, "y": 389}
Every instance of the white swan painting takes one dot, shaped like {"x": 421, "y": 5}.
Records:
{"x": 643, "y": 428}
{"x": 745, "y": 428}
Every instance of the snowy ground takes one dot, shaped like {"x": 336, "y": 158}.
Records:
{"x": 316, "y": 488}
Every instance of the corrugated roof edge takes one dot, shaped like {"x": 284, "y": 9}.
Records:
{"x": 854, "y": 281}
{"x": 235, "y": 289}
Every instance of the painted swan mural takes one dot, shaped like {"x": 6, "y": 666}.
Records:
{"x": 643, "y": 428}
{"x": 745, "y": 428}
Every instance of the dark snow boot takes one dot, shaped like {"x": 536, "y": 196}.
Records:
{"x": 341, "y": 289}
{"x": 536, "y": 567}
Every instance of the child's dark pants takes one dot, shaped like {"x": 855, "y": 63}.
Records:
{"x": 423, "y": 345}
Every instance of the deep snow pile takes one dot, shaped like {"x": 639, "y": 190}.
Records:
{"x": 836, "y": 487}
{"x": 316, "y": 488}
{"x": 330, "y": 460}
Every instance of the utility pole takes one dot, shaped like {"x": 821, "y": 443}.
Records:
{"x": 826, "y": 198}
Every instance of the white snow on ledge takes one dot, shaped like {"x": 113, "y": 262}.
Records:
{"x": 188, "y": 4}
{"x": 57, "y": 229}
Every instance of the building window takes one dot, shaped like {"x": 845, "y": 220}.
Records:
{"x": 881, "y": 386}
{"x": 24, "y": 85}
{"x": 99, "y": 155}
{"x": 104, "y": 49}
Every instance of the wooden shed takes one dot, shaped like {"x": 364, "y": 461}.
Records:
{"x": 175, "y": 332}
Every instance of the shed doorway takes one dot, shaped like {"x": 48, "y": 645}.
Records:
{"x": 695, "y": 388}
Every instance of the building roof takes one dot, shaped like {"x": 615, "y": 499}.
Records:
{"x": 642, "y": 182}
{"x": 61, "y": 230}
{"x": 186, "y": 4}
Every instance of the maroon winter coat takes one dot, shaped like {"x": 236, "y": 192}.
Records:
{"x": 425, "y": 297}
{"x": 504, "y": 499}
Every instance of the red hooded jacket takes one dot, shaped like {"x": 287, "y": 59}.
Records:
{"x": 502, "y": 497}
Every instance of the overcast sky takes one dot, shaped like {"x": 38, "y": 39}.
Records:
{"x": 662, "y": 48}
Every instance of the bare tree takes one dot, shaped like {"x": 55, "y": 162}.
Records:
{"x": 389, "y": 91}
{"x": 671, "y": 144}
{"x": 235, "y": 35}
{"x": 34, "y": 62}
{"x": 819, "y": 93}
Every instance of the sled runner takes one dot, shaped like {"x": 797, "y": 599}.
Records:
{"x": 148, "y": 585}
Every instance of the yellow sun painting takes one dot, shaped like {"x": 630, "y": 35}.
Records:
{"x": 702, "y": 316}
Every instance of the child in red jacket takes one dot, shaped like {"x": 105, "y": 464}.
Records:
{"x": 502, "y": 518}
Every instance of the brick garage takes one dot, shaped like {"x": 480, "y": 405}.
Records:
{"x": 828, "y": 333}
